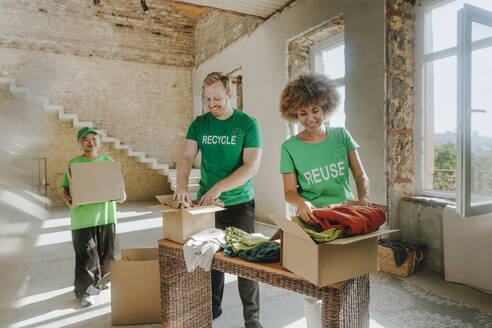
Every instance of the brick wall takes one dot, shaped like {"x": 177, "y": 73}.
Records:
{"x": 126, "y": 71}
{"x": 141, "y": 182}
{"x": 215, "y": 30}
{"x": 400, "y": 68}
{"x": 299, "y": 50}
{"x": 116, "y": 29}
{"x": 146, "y": 105}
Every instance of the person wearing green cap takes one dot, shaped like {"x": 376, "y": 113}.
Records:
{"x": 92, "y": 225}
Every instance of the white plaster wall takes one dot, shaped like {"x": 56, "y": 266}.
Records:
{"x": 263, "y": 58}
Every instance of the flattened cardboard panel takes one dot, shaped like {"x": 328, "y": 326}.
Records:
{"x": 300, "y": 257}
{"x": 342, "y": 262}
{"x": 135, "y": 292}
{"x": 96, "y": 182}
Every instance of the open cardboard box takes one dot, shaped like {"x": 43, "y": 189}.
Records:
{"x": 180, "y": 224}
{"x": 95, "y": 182}
{"x": 135, "y": 287}
{"x": 327, "y": 263}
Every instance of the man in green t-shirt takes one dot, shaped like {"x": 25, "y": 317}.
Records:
{"x": 92, "y": 225}
{"x": 230, "y": 144}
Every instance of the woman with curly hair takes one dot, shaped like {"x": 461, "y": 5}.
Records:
{"x": 315, "y": 163}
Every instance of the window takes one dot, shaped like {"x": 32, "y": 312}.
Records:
{"x": 454, "y": 93}
{"x": 328, "y": 57}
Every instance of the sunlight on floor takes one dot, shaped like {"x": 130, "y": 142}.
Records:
{"x": 41, "y": 297}
{"x": 58, "y": 237}
{"x": 23, "y": 204}
{"x": 72, "y": 313}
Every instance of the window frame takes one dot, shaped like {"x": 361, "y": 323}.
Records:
{"x": 466, "y": 16}
{"x": 316, "y": 53}
{"x": 423, "y": 122}
{"x": 422, "y": 118}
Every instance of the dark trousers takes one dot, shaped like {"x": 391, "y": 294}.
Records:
{"x": 241, "y": 216}
{"x": 94, "y": 249}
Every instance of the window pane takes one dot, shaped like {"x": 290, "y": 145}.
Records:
{"x": 441, "y": 95}
{"x": 440, "y": 24}
{"x": 334, "y": 62}
{"x": 484, "y": 4}
{"x": 481, "y": 121}
{"x": 440, "y": 27}
{"x": 338, "y": 117}
{"x": 480, "y": 31}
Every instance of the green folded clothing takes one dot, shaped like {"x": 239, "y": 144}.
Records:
{"x": 319, "y": 237}
{"x": 265, "y": 252}
{"x": 240, "y": 239}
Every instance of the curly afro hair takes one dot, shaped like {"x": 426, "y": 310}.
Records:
{"x": 308, "y": 90}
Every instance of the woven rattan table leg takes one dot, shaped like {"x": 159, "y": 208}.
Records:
{"x": 186, "y": 300}
{"x": 347, "y": 307}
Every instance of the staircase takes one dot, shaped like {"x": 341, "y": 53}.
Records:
{"x": 9, "y": 83}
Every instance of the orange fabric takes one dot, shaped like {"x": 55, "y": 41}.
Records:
{"x": 352, "y": 220}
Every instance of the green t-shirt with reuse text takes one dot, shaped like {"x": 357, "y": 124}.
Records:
{"x": 322, "y": 169}
{"x": 95, "y": 214}
{"x": 221, "y": 143}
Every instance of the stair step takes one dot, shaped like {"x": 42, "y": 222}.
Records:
{"x": 9, "y": 83}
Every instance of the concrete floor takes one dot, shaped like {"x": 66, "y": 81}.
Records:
{"x": 37, "y": 274}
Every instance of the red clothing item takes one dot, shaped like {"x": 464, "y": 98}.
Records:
{"x": 353, "y": 220}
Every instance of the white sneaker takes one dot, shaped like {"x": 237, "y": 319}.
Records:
{"x": 86, "y": 301}
{"x": 91, "y": 290}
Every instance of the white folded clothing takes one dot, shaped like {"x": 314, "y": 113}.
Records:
{"x": 199, "y": 250}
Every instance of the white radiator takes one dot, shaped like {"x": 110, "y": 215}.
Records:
{"x": 468, "y": 249}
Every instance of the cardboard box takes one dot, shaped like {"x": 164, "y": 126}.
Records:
{"x": 95, "y": 182}
{"x": 327, "y": 263}
{"x": 180, "y": 224}
{"x": 135, "y": 287}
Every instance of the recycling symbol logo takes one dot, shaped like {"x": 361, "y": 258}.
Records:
{"x": 238, "y": 132}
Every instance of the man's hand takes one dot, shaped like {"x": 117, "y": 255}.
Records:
{"x": 181, "y": 195}
{"x": 211, "y": 195}
{"x": 305, "y": 212}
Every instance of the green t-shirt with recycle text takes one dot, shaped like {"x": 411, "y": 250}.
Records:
{"x": 322, "y": 169}
{"x": 90, "y": 215}
{"x": 221, "y": 143}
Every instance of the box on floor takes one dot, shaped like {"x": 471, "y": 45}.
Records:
{"x": 180, "y": 224}
{"x": 135, "y": 287}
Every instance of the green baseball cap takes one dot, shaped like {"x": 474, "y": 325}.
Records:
{"x": 82, "y": 132}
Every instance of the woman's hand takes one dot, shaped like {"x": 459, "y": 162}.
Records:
{"x": 123, "y": 199}
{"x": 364, "y": 201}
{"x": 305, "y": 212}
{"x": 68, "y": 200}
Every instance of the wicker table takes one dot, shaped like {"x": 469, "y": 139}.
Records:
{"x": 186, "y": 297}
